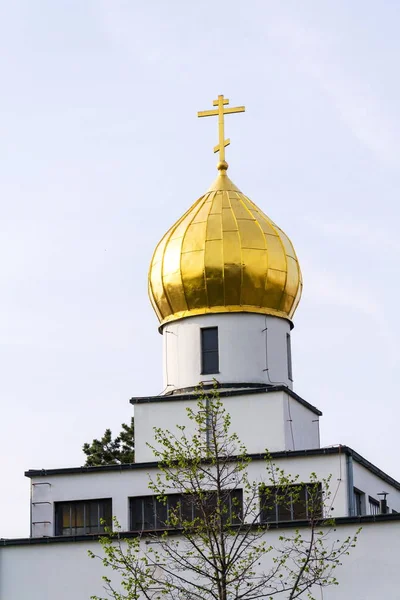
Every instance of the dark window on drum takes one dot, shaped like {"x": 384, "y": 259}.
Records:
{"x": 209, "y": 351}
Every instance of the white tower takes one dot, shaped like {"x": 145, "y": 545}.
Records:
{"x": 225, "y": 282}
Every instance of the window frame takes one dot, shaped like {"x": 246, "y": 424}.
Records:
{"x": 172, "y": 501}
{"x": 204, "y": 352}
{"x": 372, "y": 502}
{"x": 104, "y": 506}
{"x": 359, "y": 502}
{"x": 288, "y": 507}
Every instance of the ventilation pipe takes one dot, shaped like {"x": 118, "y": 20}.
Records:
{"x": 383, "y": 507}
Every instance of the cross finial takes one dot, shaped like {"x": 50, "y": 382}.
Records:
{"x": 220, "y": 112}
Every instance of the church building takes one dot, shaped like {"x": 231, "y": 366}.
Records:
{"x": 224, "y": 282}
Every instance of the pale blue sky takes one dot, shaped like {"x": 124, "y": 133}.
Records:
{"x": 101, "y": 152}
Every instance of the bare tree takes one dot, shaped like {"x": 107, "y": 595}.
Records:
{"x": 212, "y": 541}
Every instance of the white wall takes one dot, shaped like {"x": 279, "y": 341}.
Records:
{"x": 252, "y": 349}
{"x": 260, "y": 420}
{"x": 371, "y": 485}
{"x": 325, "y": 466}
{"x": 301, "y": 425}
{"x": 121, "y": 485}
{"x": 117, "y": 485}
{"x": 64, "y": 571}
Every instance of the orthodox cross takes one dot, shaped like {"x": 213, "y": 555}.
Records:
{"x": 220, "y": 112}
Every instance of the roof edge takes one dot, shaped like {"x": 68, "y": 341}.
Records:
{"x": 361, "y": 521}
{"x": 237, "y": 389}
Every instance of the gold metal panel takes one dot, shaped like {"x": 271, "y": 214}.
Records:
{"x": 231, "y": 248}
{"x": 224, "y": 255}
{"x": 172, "y": 277}
{"x": 172, "y": 257}
{"x": 228, "y": 220}
{"x": 253, "y": 278}
{"x": 287, "y": 244}
{"x": 175, "y": 292}
{"x": 274, "y": 289}
{"x": 181, "y": 226}
{"x": 286, "y": 303}
{"x": 192, "y": 265}
{"x": 195, "y": 237}
{"x": 214, "y": 272}
{"x": 264, "y": 223}
{"x": 157, "y": 289}
{"x": 292, "y": 277}
{"x": 276, "y": 255}
{"x": 202, "y": 213}
{"x": 216, "y": 207}
{"x": 214, "y": 227}
{"x": 238, "y": 208}
{"x": 154, "y": 305}
{"x": 225, "y": 200}
{"x": 223, "y": 183}
{"x": 251, "y": 235}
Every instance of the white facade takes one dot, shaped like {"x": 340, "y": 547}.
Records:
{"x": 253, "y": 348}
{"x": 272, "y": 420}
{"x": 122, "y": 483}
{"x": 61, "y": 571}
{"x": 255, "y": 380}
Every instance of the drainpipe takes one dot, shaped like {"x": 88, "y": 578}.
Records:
{"x": 350, "y": 485}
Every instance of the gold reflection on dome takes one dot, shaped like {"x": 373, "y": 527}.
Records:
{"x": 224, "y": 255}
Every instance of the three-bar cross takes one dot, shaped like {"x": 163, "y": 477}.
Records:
{"x": 221, "y": 112}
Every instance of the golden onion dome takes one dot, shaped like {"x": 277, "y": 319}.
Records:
{"x": 224, "y": 255}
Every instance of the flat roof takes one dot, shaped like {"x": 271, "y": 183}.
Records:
{"x": 32, "y": 473}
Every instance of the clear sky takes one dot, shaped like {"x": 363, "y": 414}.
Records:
{"x": 101, "y": 151}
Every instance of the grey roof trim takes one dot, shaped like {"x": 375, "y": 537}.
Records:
{"x": 274, "y": 455}
{"x": 236, "y": 389}
{"x": 375, "y": 519}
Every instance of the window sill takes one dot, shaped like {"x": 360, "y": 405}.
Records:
{"x": 213, "y": 373}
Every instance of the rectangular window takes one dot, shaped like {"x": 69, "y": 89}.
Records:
{"x": 150, "y": 513}
{"x": 289, "y": 356}
{"x": 359, "y": 502}
{"x": 291, "y": 503}
{"x": 209, "y": 351}
{"x": 373, "y": 506}
{"x": 82, "y": 517}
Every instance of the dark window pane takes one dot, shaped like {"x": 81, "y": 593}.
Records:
{"x": 209, "y": 350}
{"x": 291, "y": 503}
{"x": 148, "y": 512}
{"x": 92, "y": 517}
{"x": 299, "y": 502}
{"x": 186, "y": 502}
{"x": 314, "y": 501}
{"x": 106, "y": 513}
{"x": 161, "y": 514}
{"x": 174, "y": 510}
{"x": 268, "y": 504}
{"x": 63, "y": 520}
{"x": 204, "y": 505}
{"x": 236, "y": 498}
{"x": 79, "y": 518}
{"x": 209, "y": 339}
{"x": 136, "y": 505}
{"x": 284, "y": 512}
{"x": 210, "y": 362}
